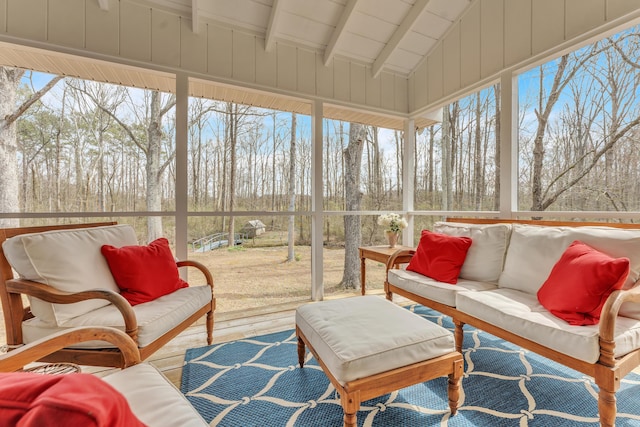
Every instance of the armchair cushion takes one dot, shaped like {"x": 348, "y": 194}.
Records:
{"x": 155, "y": 318}
{"x": 68, "y": 260}
{"x": 78, "y": 399}
{"x": 144, "y": 273}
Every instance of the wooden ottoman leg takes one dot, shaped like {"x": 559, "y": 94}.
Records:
{"x": 458, "y": 334}
{"x": 350, "y": 405}
{"x": 301, "y": 351}
{"x": 454, "y": 385}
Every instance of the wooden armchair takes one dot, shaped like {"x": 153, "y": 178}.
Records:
{"x": 150, "y": 325}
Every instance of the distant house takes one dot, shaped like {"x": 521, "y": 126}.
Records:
{"x": 254, "y": 228}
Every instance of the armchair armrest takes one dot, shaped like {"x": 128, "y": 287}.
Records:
{"x": 608, "y": 321}
{"x": 204, "y": 270}
{"x": 207, "y": 275}
{"x": 53, "y": 295}
{"x": 401, "y": 256}
{"x": 16, "y": 359}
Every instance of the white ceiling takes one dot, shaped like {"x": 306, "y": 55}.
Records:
{"x": 393, "y": 35}
{"x": 385, "y": 34}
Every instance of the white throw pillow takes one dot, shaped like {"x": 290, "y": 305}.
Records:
{"x": 68, "y": 260}
{"x": 485, "y": 257}
{"x": 533, "y": 251}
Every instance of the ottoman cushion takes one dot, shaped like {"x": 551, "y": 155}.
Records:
{"x": 362, "y": 336}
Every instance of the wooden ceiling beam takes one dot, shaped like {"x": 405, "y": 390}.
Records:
{"x": 272, "y": 26}
{"x": 403, "y": 29}
{"x": 339, "y": 31}
{"x": 195, "y": 20}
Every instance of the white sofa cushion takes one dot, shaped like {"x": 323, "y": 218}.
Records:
{"x": 444, "y": 293}
{"x": 534, "y": 250}
{"x": 155, "y": 318}
{"x": 153, "y": 399}
{"x": 485, "y": 257}
{"x": 521, "y": 313}
{"x": 362, "y": 336}
{"x": 68, "y": 260}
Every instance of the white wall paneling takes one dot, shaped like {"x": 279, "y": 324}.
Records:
{"x": 357, "y": 83}
{"x": 547, "y": 29}
{"x": 102, "y": 34}
{"x": 491, "y": 37}
{"x": 583, "y": 15}
{"x": 388, "y": 89}
{"x": 341, "y": 79}
{"x": 193, "y": 46}
{"x": 435, "y": 74}
{"x": 135, "y": 32}
{"x": 266, "y": 65}
{"x": 219, "y": 51}
{"x": 401, "y": 96}
{"x": 287, "y": 67}
{"x": 517, "y": 31}
{"x": 470, "y": 45}
{"x": 27, "y": 18}
{"x": 324, "y": 78}
{"x": 244, "y": 57}
{"x": 165, "y": 38}
{"x": 451, "y": 61}
{"x": 373, "y": 87}
{"x": 66, "y": 21}
{"x": 306, "y": 71}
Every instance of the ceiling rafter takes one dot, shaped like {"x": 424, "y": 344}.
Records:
{"x": 104, "y": 4}
{"x": 403, "y": 29}
{"x": 195, "y": 22}
{"x": 272, "y": 26}
{"x": 339, "y": 31}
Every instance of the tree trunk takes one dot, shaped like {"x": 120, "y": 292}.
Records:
{"x": 352, "y": 223}
{"x": 9, "y": 113}
{"x": 232, "y": 110}
{"x": 154, "y": 139}
{"x": 292, "y": 191}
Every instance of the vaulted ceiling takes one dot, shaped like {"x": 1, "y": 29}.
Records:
{"x": 385, "y": 34}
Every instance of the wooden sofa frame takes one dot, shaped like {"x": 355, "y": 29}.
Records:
{"x": 15, "y": 312}
{"x": 607, "y": 372}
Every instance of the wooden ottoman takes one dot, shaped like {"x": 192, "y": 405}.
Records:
{"x": 369, "y": 347}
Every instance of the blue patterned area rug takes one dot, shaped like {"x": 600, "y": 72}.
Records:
{"x": 257, "y": 382}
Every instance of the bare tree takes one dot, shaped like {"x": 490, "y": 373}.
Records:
{"x": 352, "y": 223}
{"x": 9, "y": 112}
{"x": 292, "y": 190}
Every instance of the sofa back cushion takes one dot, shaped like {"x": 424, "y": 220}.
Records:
{"x": 485, "y": 257}
{"x": 534, "y": 250}
{"x": 68, "y": 260}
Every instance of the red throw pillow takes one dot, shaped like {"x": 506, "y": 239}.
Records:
{"x": 144, "y": 273}
{"x": 440, "y": 256}
{"x": 580, "y": 283}
{"x": 30, "y": 400}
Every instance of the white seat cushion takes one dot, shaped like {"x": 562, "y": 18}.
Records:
{"x": 444, "y": 293}
{"x": 153, "y": 399}
{"x": 68, "y": 260}
{"x": 534, "y": 250}
{"x": 485, "y": 257}
{"x": 362, "y": 336}
{"x": 521, "y": 313}
{"x": 155, "y": 317}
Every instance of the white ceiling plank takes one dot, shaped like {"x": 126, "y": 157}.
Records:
{"x": 194, "y": 16}
{"x": 104, "y": 4}
{"x": 337, "y": 33}
{"x": 414, "y": 13}
{"x": 272, "y": 27}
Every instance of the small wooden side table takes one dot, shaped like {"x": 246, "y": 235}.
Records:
{"x": 375, "y": 253}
